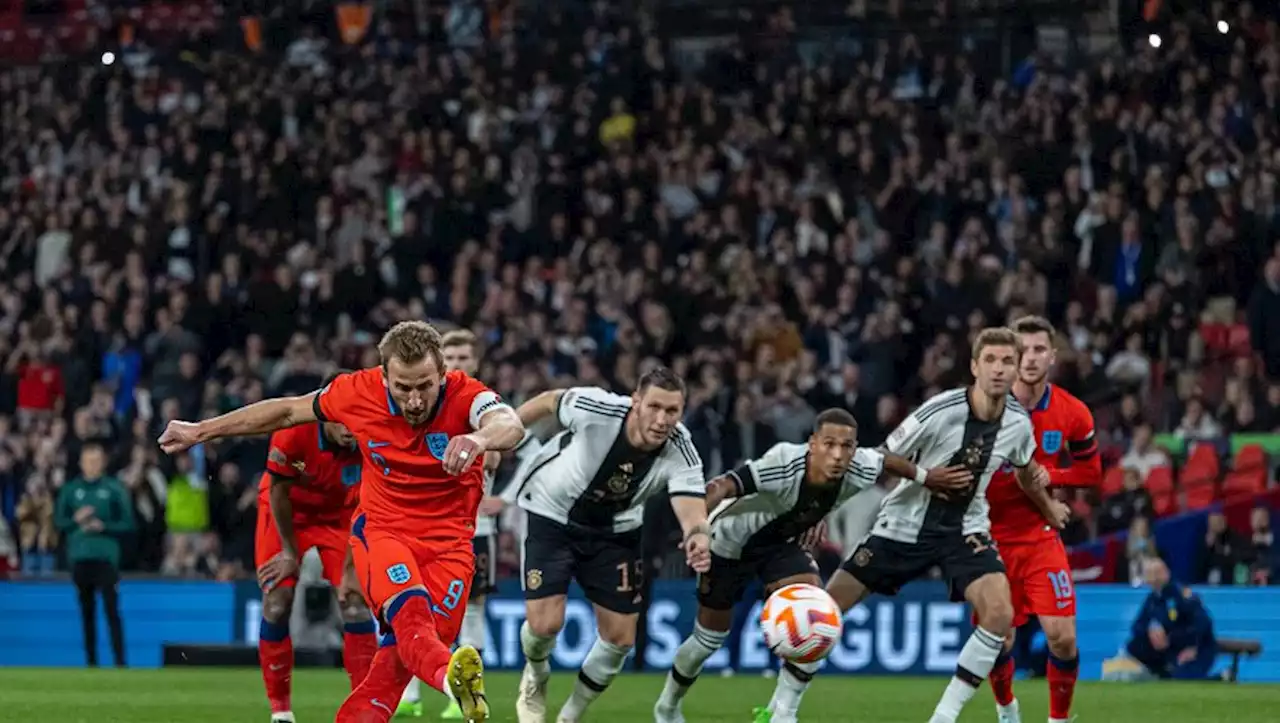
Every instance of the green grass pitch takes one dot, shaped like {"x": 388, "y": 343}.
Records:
{"x": 226, "y": 695}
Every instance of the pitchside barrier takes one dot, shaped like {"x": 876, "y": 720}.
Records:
{"x": 917, "y": 633}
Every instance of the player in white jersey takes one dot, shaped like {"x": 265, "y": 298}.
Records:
{"x": 981, "y": 428}
{"x": 461, "y": 351}
{"x": 584, "y": 494}
{"x": 757, "y": 533}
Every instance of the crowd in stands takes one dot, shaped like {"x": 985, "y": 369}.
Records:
{"x": 200, "y": 226}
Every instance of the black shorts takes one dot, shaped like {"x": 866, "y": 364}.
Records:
{"x": 722, "y": 586}
{"x": 485, "y": 579}
{"x": 608, "y": 567}
{"x": 94, "y": 575}
{"x": 885, "y": 565}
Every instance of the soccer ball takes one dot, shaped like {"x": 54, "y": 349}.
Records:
{"x": 801, "y": 623}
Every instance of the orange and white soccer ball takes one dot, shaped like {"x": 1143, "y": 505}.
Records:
{"x": 801, "y": 623}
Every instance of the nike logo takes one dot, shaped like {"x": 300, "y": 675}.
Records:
{"x": 1064, "y": 604}
{"x": 375, "y": 445}
{"x": 381, "y": 705}
{"x": 274, "y": 668}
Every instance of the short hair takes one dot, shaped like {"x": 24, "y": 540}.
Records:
{"x": 411, "y": 342}
{"x": 1034, "y": 325}
{"x": 662, "y": 378}
{"x": 996, "y": 336}
{"x": 837, "y": 416}
{"x": 459, "y": 337}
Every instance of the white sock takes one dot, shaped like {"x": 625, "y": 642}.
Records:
{"x": 977, "y": 658}
{"x": 604, "y": 662}
{"x": 473, "y": 623}
{"x": 412, "y": 692}
{"x": 793, "y": 681}
{"x": 690, "y": 657}
{"x": 537, "y": 652}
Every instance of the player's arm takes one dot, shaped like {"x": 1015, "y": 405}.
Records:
{"x": 1086, "y": 463}
{"x": 688, "y": 500}
{"x": 497, "y": 426}
{"x": 282, "y": 513}
{"x": 737, "y": 482}
{"x": 940, "y": 479}
{"x": 265, "y": 417}
{"x": 544, "y": 406}
{"x": 1033, "y": 478}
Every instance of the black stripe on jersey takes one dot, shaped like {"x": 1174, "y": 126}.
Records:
{"x": 564, "y": 443}
{"x": 721, "y": 509}
{"x": 315, "y": 407}
{"x": 949, "y": 400}
{"x": 864, "y": 472}
{"x": 1012, "y": 404}
{"x": 613, "y": 488}
{"x": 745, "y": 479}
{"x": 946, "y": 511}
{"x": 604, "y": 410}
{"x": 775, "y": 473}
{"x": 685, "y": 447}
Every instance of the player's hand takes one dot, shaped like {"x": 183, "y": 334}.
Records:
{"x": 490, "y": 506}
{"x": 462, "y": 452}
{"x": 697, "y": 551}
{"x": 948, "y": 478}
{"x": 92, "y": 526}
{"x": 1186, "y": 656}
{"x": 1059, "y": 514}
{"x": 179, "y": 437}
{"x": 84, "y": 514}
{"x": 1041, "y": 476}
{"x": 1159, "y": 639}
{"x": 813, "y": 537}
{"x": 276, "y": 570}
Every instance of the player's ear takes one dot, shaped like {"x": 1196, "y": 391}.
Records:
{"x": 973, "y": 368}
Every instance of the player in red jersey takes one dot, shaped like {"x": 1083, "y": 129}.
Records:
{"x": 423, "y": 434}
{"x": 1039, "y": 572}
{"x": 306, "y": 500}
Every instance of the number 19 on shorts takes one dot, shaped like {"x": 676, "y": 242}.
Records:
{"x": 1062, "y": 589}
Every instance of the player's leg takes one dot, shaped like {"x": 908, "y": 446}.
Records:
{"x": 718, "y": 590}
{"x": 1051, "y": 597}
{"x": 878, "y": 565}
{"x": 448, "y": 577}
{"x": 1016, "y": 559}
{"x": 86, "y": 595}
{"x": 359, "y": 634}
{"x": 474, "y": 623}
{"x": 275, "y": 645}
{"x": 547, "y": 559}
{"x": 610, "y": 572}
{"x": 977, "y": 575}
{"x": 107, "y": 580}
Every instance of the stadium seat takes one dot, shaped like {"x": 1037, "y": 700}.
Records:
{"x": 1112, "y": 481}
{"x": 1166, "y": 503}
{"x": 1248, "y": 475}
{"x": 1200, "y": 495}
{"x": 1159, "y": 483}
{"x": 1202, "y": 467}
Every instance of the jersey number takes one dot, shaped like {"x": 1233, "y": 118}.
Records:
{"x": 381, "y": 461}
{"x": 1061, "y": 582}
{"x": 453, "y": 595}
{"x": 626, "y": 580}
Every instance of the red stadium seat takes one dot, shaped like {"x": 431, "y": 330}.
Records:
{"x": 1112, "y": 481}
{"x": 1248, "y": 475}
{"x": 1200, "y": 496}
{"x": 1166, "y": 503}
{"x": 1159, "y": 481}
{"x": 1202, "y": 467}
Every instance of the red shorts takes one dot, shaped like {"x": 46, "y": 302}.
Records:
{"x": 388, "y": 563}
{"x": 1040, "y": 580}
{"x": 329, "y": 540}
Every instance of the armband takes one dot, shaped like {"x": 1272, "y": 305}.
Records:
{"x": 922, "y": 474}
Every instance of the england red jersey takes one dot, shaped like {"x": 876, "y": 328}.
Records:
{"x": 405, "y": 488}
{"x": 1066, "y": 447}
{"x": 326, "y": 478}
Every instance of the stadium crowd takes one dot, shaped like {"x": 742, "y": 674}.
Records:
{"x": 189, "y": 230}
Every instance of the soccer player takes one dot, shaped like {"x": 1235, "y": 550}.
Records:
{"x": 1039, "y": 572}
{"x": 757, "y": 534}
{"x": 982, "y": 428}
{"x": 306, "y": 499}
{"x": 584, "y": 494}
{"x": 461, "y": 352}
{"x": 422, "y": 434}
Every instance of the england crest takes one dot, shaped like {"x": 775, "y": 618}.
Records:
{"x": 398, "y": 574}
{"x": 437, "y": 443}
{"x": 1051, "y": 442}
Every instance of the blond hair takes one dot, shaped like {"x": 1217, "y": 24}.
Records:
{"x": 996, "y": 336}
{"x": 411, "y": 342}
{"x": 460, "y": 337}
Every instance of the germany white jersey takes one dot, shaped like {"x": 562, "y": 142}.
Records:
{"x": 943, "y": 432}
{"x": 588, "y": 476}
{"x": 486, "y": 526}
{"x": 777, "y": 503}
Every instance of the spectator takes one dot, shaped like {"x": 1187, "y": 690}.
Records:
{"x": 1138, "y": 548}
{"x": 37, "y": 534}
{"x": 1264, "y": 317}
{"x": 1197, "y": 425}
{"x": 1224, "y": 558}
{"x": 1143, "y": 456}
{"x": 188, "y": 548}
{"x": 1120, "y": 510}
{"x": 1265, "y": 554}
{"x": 1173, "y": 633}
{"x": 94, "y": 512}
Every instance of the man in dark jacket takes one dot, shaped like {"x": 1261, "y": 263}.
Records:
{"x": 1173, "y": 635}
{"x": 94, "y": 511}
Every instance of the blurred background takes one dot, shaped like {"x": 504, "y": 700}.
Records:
{"x": 796, "y": 206}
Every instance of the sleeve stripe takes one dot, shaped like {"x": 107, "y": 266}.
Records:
{"x": 686, "y": 449}
{"x": 315, "y": 406}
{"x": 782, "y": 470}
{"x": 924, "y": 413}
{"x": 865, "y": 472}
{"x": 745, "y": 478}
{"x": 687, "y": 493}
{"x": 604, "y": 410}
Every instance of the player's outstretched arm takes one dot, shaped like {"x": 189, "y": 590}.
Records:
{"x": 258, "y": 418}
{"x": 540, "y": 407}
{"x": 692, "y": 513}
{"x": 939, "y": 479}
{"x": 1033, "y": 479}
{"x": 720, "y": 489}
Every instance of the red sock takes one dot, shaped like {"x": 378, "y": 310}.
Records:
{"x": 359, "y": 643}
{"x": 376, "y": 698}
{"x": 419, "y": 643}
{"x": 1001, "y": 678}
{"x": 275, "y": 655}
{"x": 1062, "y": 676}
